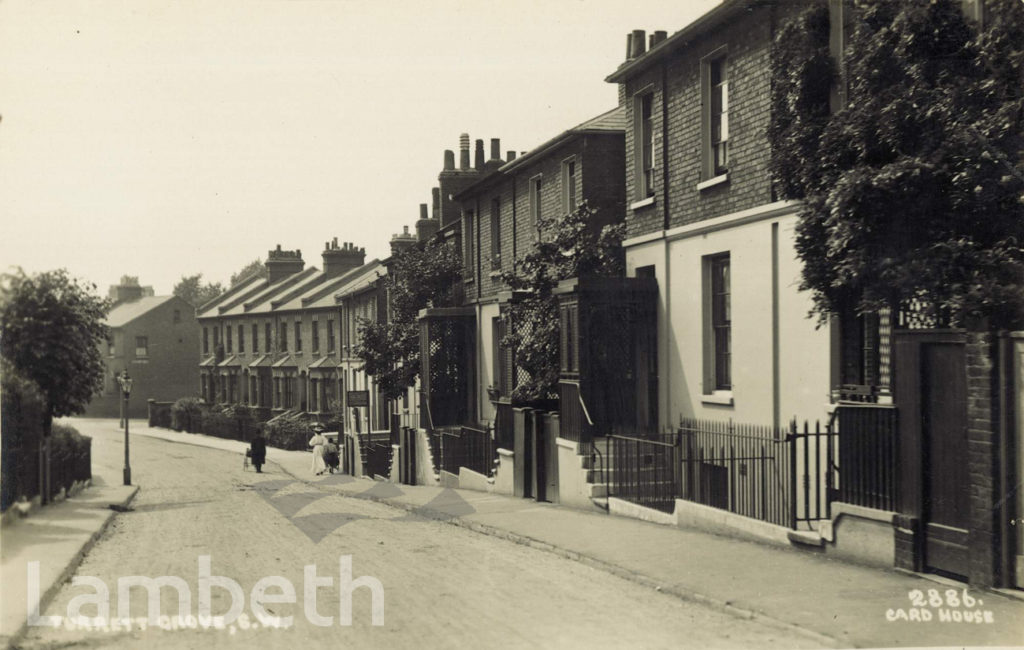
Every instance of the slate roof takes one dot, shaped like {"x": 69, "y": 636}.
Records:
{"x": 128, "y": 311}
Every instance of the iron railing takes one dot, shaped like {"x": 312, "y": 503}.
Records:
{"x": 867, "y": 463}
{"x": 574, "y": 420}
{"x": 645, "y": 471}
{"x": 469, "y": 447}
{"x": 376, "y": 452}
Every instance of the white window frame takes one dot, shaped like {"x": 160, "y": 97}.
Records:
{"x": 569, "y": 194}
{"x": 711, "y": 174}
{"x": 643, "y": 144}
{"x": 713, "y": 390}
{"x": 536, "y": 196}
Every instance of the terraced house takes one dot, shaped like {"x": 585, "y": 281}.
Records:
{"x": 273, "y": 342}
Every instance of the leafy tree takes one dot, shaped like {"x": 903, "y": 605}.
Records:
{"x": 575, "y": 247}
{"x": 255, "y": 267}
{"x": 51, "y": 331}
{"x": 192, "y": 289}
{"x": 418, "y": 278}
{"x": 912, "y": 191}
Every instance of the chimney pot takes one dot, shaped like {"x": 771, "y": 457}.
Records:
{"x": 435, "y": 195}
{"x": 405, "y": 230}
{"x": 449, "y": 159}
{"x": 639, "y": 43}
{"x": 464, "y": 151}
{"x": 335, "y": 242}
{"x": 423, "y": 210}
{"x": 495, "y": 148}
{"x": 510, "y": 156}
{"x": 479, "y": 154}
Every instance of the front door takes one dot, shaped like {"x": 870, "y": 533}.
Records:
{"x": 944, "y": 429}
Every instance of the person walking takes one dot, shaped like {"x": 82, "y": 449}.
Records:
{"x": 258, "y": 452}
{"x": 318, "y": 442}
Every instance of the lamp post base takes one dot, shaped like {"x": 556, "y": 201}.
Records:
{"x": 127, "y": 475}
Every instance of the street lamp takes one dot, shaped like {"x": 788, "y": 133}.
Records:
{"x": 126, "y": 389}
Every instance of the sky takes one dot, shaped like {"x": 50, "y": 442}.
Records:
{"x": 164, "y": 139}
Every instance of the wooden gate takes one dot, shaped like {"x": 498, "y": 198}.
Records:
{"x": 944, "y": 442}
{"x": 931, "y": 396}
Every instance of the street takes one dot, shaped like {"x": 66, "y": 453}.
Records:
{"x": 441, "y": 584}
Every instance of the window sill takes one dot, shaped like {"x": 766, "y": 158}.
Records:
{"x": 642, "y": 203}
{"x": 719, "y": 397}
{"x": 495, "y": 274}
{"x": 711, "y": 182}
{"x": 469, "y": 280}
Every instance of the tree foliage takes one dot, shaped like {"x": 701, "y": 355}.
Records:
{"x": 575, "y": 247}
{"x": 255, "y": 267}
{"x": 51, "y": 332}
{"x": 418, "y": 278}
{"x": 914, "y": 189}
{"x": 192, "y": 289}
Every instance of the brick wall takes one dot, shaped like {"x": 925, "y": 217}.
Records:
{"x": 982, "y": 462}
{"x": 676, "y": 87}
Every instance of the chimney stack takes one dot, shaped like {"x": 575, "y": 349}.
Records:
{"x": 657, "y": 37}
{"x": 402, "y": 242}
{"x": 339, "y": 261}
{"x": 464, "y": 151}
{"x": 426, "y": 227}
{"x": 510, "y": 156}
{"x": 281, "y": 263}
{"x": 496, "y": 149}
{"x": 449, "y": 160}
{"x": 435, "y": 195}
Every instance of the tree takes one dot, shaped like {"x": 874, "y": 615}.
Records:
{"x": 575, "y": 248}
{"x": 255, "y": 267}
{"x": 418, "y": 278}
{"x": 192, "y": 289}
{"x": 915, "y": 189}
{"x": 51, "y": 332}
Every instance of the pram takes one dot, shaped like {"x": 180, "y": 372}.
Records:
{"x": 331, "y": 458}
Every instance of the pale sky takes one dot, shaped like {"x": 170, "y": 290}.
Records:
{"x": 162, "y": 139}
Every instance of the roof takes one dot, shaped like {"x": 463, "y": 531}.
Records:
{"x": 322, "y": 295}
{"x": 360, "y": 281}
{"x": 245, "y": 284}
{"x": 684, "y": 37}
{"x": 613, "y": 121}
{"x": 126, "y": 312}
{"x": 325, "y": 363}
{"x": 230, "y": 362}
{"x": 208, "y": 362}
{"x": 262, "y": 301}
{"x": 263, "y": 361}
{"x": 287, "y": 362}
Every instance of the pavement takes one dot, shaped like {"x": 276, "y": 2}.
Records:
{"x": 55, "y": 537}
{"x": 836, "y": 604}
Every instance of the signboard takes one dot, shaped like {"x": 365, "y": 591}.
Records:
{"x": 358, "y": 398}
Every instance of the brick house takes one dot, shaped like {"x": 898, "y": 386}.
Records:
{"x": 272, "y": 342}
{"x": 152, "y": 338}
{"x": 733, "y": 338}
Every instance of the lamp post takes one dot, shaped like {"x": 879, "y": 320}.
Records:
{"x": 126, "y": 389}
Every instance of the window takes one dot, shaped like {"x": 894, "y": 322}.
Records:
{"x": 241, "y": 339}
{"x": 227, "y": 336}
{"x": 715, "y": 96}
{"x": 255, "y": 338}
{"x": 112, "y": 349}
{"x": 467, "y": 233}
{"x": 569, "y": 185}
{"x": 718, "y": 332}
{"x": 216, "y": 338}
{"x": 496, "y": 234}
{"x": 206, "y": 342}
{"x": 284, "y": 338}
{"x": 298, "y": 336}
{"x": 177, "y": 315}
{"x": 316, "y": 336}
{"x": 330, "y": 335}
{"x": 141, "y": 346}
{"x": 535, "y": 198}
{"x": 268, "y": 340}
{"x": 643, "y": 136}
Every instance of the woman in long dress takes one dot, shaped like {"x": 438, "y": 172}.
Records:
{"x": 317, "y": 442}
